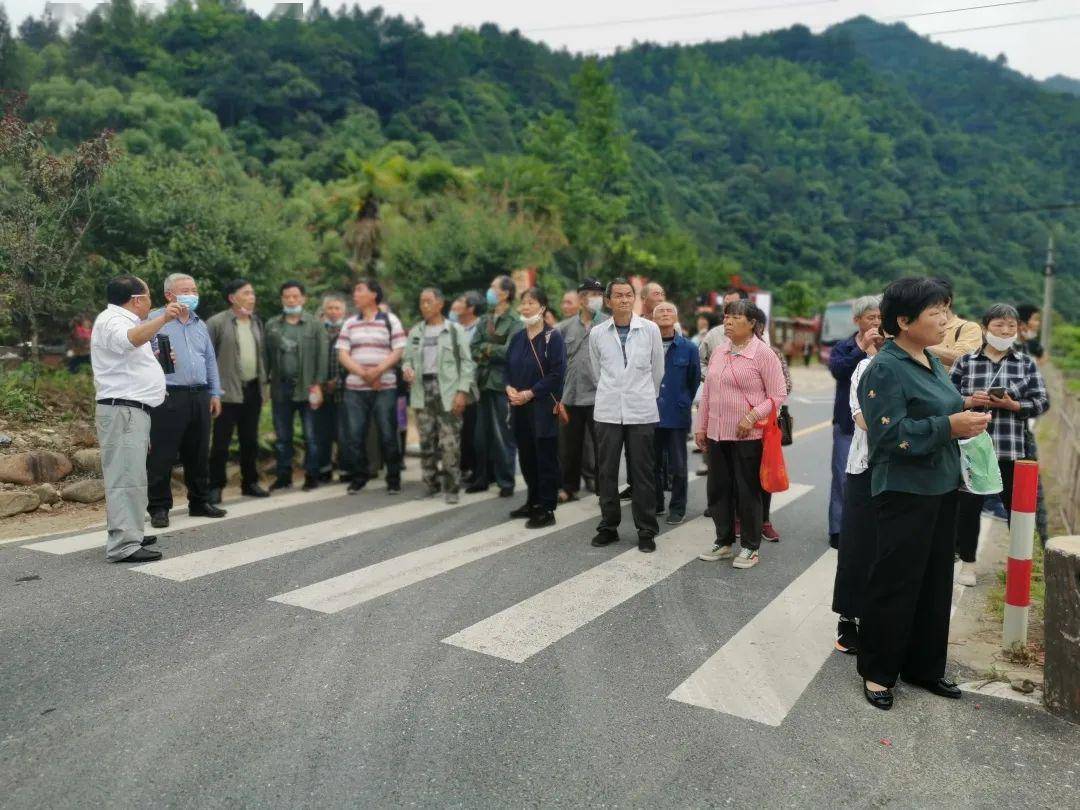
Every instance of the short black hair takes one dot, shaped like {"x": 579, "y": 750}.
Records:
{"x": 944, "y": 282}
{"x": 538, "y": 295}
{"x": 749, "y": 310}
{"x": 234, "y": 286}
{"x": 506, "y": 284}
{"x": 743, "y": 294}
{"x": 996, "y": 311}
{"x": 710, "y": 317}
{"x": 909, "y": 298}
{"x": 618, "y": 281}
{"x": 120, "y": 290}
{"x": 474, "y": 301}
{"x": 1025, "y": 311}
{"x": 286, "y": 285}
{"x": 373, "y": 286}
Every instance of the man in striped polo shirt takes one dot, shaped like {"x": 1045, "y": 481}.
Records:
{"x": 369, "y": 348}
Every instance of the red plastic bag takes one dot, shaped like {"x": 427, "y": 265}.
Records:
{"x": 773, "y": 473}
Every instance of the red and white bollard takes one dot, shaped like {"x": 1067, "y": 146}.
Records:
{"x": 1022, "y": 540}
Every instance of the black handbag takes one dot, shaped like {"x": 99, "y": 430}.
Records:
{"x": 787, "y": 426}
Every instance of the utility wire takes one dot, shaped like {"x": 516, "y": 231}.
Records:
{"x": 957, "y": 10}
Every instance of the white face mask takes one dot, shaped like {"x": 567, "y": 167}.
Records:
{"x": 595, "y": 303}
{"x": 535, "y": 319}
{"x": 1002, "y": 344}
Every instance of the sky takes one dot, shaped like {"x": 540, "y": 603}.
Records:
{"x": 1039, "y": 49}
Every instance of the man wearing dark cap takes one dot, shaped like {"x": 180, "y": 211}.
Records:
{"x": 579, "y": 387}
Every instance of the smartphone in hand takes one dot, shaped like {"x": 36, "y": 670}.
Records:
{"x": 997, "y": 393}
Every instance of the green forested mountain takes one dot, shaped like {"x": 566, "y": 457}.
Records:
{"x": 354, "y": 142}
{"x": 1063, "y": 84}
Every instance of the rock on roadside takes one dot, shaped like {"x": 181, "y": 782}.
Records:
{"x": 35, "y": 467}
{"x": 91, "y": 490}
{"x": 88, "y": 460}
{"x": 47, "y": 493}
{"x": 15, "y": 502}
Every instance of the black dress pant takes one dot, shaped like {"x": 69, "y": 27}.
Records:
{"x": 904, "y": 627}
{"x": 610, "y": 441}
{"x": 468, "y": 442}
{"x": 180, "y": 425}
{"x": 539, "y": 459}
{"x": 969, "y": 512}
{"x": 858, "y": 546}
{"x": 244, "y": 418}
{"x": 575, "y": 449}
{"x": 734, "y": 486}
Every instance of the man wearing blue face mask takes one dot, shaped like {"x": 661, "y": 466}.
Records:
{"x": 181, "y": 424}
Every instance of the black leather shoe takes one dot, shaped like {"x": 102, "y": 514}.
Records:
{"x": 472, "y": 488}
{"x": 159, "y": 519}
{"x": 281, "y": 483}
{"x": 355, "y": 486}
{"x": 523, "y": 511}
{"x": 540, "y": 519}
{"x": 310, "y": 482}
{"x": 506, "y": 492}
{"x": 879, "y": 700}
{"x": 149, "y": 540}
{"x": 206, "y": 510}
{"x": 605, "y": 539}
{"x": 141, "y": 555}
{"x": 213, "y": 497}
{"x": 646, "y": 544}
{"x": 940, "y": 687}
{"x": 254, "y": 491}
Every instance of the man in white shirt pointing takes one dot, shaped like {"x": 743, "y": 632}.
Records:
{"x": 128, "y": 381}
{"x": 627, "y": 356}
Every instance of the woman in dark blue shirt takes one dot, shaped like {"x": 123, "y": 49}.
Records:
{"x": 535, "y": 366}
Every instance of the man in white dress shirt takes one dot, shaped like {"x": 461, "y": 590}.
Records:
{"x": 129, "y": 381}
{"x": 627, "y": 356}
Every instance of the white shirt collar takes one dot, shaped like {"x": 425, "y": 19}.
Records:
{"x": 127, "y": 313}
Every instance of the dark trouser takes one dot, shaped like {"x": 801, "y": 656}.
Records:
{"x": 904, "y": 627}
{"x": 672, "y": 442}
{"x": 858, "y": 545}
{"x": 734, "y": 485}
{"x": 244, "y": 417}
{"x": 180, "y": 425}
{"x": 969, "y": 512}
{"x": 539, "y": 457}
{"x": 573, "y": 446}
{"x": 610, "y": 440}
{"x": 841, "y": 444}
{"x": 468, "y": 442}
{"x": 494, "y": 440}
{"x": 284, "y": 411}
{"x": 330, "y": 430}
{"x": 380, "y": 406}
{"x": 766, "y": 505}
{"x": 1042, "y": 525}
{"x": 76, "y": 362}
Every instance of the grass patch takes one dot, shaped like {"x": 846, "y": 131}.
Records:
{"x": 36, "y": 394}
{"x": 996, "y": 597}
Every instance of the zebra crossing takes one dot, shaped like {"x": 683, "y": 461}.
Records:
{"x": 775, "y": 656}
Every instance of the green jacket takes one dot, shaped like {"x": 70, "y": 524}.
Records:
{"x": 907, "y": 408}
{"x": 489, "y": 344}
{"x": 222, "y": 329}
{"x": 314, "y": 355}
{"x": 456, "y": 369}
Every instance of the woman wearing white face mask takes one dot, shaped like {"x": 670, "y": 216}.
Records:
{"x": 1003, "y": 379}
{"x": 535, "y": 368}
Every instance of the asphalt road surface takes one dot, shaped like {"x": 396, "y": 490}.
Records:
{"x": 319, "y": 650}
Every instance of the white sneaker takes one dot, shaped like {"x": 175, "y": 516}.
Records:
{"x": 452, "y": 497}
{"x": 718, "y": 552}
{"x": 966, "y": 577}
{"x": 747, "y": 558}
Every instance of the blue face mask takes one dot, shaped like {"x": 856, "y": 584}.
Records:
{"x": 293, "y": 310}
{"x": 453, "y": 316}
{"x": 492, "y": 297}
{"x": 189, "y": 301}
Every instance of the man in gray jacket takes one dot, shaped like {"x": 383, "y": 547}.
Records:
{"x": 237, "y": 335}
{"x": 579, "y": 389}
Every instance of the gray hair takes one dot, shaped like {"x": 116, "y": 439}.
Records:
{"x": 438, "y": 293}
{"x": 865, "y": 304}
{"x": 172, "y": 278}
{"x": 1000, "y": 311}
{"x": 334, "y": 296}
{"x": 667, "y": 304}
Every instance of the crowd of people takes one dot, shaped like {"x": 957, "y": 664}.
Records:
{"x": 497, "y": 382}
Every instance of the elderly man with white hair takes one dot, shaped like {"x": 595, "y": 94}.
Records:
{"x": 181, "y": 424}
{"x": 845, "y": 356}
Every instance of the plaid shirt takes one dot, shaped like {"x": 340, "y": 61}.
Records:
{"x": 1016, "y": 373}
{"x": 336, "y": 372}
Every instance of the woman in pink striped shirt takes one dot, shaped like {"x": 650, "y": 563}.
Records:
{"x": 743, "y": 385}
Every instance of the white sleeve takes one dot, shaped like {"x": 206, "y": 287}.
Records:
{"x": 853, "y": 394}
{"x": 115, "y": 337}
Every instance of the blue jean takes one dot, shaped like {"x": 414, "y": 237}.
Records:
{"x": 841, "y": 444}
{"x": 284, "y": 411}
{"x": 495, "y": 446}
{"x": 671, "y": 442}
{"x": 360, "y": 407}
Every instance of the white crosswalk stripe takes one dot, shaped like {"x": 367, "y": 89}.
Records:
{"x": 222, "y": 558}
{"x": 95, "y": 537}
{"x": 527, "y": 628}
{"x": 356, "y": 587}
